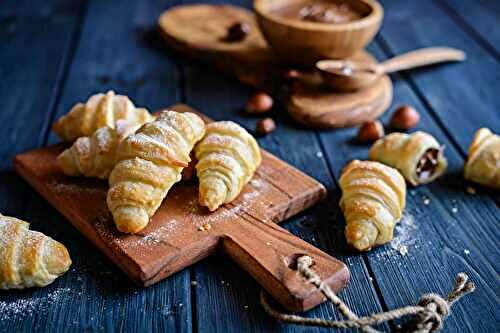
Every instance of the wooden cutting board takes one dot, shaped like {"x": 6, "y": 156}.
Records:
{"x": 198, "y": 31}
{"x": 182, "y": 233}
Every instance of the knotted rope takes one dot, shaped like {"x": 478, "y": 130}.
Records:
{"x": 429, "y": 314}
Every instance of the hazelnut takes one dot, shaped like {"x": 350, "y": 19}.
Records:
{"x": 259, "y": 103}
{"x": 265, "y": 126}
{"x": 237, "y": 32}
{"x": 370, "y": 131}
{"x": 292, "y": 74}
{"x": 404, "y": 118}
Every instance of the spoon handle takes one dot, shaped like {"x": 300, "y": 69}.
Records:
{"x": 422, "y": 57}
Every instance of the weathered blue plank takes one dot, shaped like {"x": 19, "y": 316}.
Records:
{"x": 463, "y": 96}
{"x": 117, "y": 51}
{"x": 480, "y": 18}
{"x": 31, "y": 82}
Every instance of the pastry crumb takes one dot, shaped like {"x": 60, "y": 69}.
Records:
{"x": 403, "y": 250}
{"x": 205, "y": 227}
{"x": 466, "y": 251}
{"x": 471, "y": 190}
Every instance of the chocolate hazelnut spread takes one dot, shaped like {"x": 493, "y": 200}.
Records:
{"x": 427, "y": 164}
{"x": 321, "y": 11}
{"x": 237, "y": 32}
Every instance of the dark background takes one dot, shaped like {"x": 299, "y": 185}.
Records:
{"x": 56, "y": 53}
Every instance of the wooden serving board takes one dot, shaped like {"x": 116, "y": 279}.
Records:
{"x": 198, "y": 31}
{"x": 177, "y": 235}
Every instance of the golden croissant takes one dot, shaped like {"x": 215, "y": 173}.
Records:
{"x": 418, "y": 156}
{"x": 227, "y": 159}
{"x": 28, "y": 258}
{"x": 149, "y": 162}
{"x": 100, "y": 110}
{"x": 483, "y": 161}
{"x": 95, "y": 156}
{"x": 373, "y": 199}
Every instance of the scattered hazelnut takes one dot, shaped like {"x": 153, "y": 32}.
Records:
{"x": 370, "y": 131}
{"x": 259, "y": 103}
{"x": 404, "y": 118}
{"x": 237, "y": 32}
{"x": 265, "y": 126}
{"x": 292, "y": 74}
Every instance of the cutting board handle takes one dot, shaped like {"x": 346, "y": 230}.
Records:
{"x": 269, "y": 253}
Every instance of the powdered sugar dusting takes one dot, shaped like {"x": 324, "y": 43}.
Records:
{"x": 72, "y": 188}
{"x": 32, "y": 304}
{"x": 404, "y": 233}
{"x": 404, "y": 240}
{"x": 156, "y": 236}
{"x": 246, "y": 200}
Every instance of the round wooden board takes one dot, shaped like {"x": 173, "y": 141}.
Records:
{"x": 199, "y": 30}
{"x": 316, "y": 106}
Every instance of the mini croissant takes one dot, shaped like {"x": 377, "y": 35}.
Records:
{"x": 149, "y": 162}
{"x": 95, "y": 156}
{"x": 227, "y": 159}
{"x": 100, "y": 110}
{"x": 418, "y": 156}
{"x": 373, "y": 199}
{"x": 483, "y": 161}
{"x": 28, "y": 258}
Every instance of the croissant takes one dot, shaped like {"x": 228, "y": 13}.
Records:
{"x": 373, "y": 199}
{"x": 418, "y": 156}
{"x": 149, "y": 162}
{"x": 28, "y": 258}
{"x": 227, "y": 159}
{"x": 483, "y": 161}
{"x": 100, "y": 110}
{"x": 95, "y": 156}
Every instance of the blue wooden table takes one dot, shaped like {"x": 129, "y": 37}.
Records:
{"x": 55, "y": 53}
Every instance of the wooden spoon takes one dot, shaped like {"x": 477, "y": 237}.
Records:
{"x": 344, "y": 75}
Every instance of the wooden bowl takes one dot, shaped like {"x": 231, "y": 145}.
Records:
{"x": 301, "y": 42}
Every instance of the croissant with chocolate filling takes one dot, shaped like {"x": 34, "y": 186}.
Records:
{"x": 418, "y": 156}
{"x": 28, "y": 258}
{"x": 483, "y": 161}
{"x": 149, "y": 162}
{"x": 227, "y": 159}
{"x": 373, "y": 199}
{"x": 95, "y": 156}
{"x": 100, "y": 110}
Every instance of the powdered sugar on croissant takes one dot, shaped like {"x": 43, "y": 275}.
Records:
{"x": 95, "y": 156}
{"x": 28, "y": 258}
{"x": 373, "y": 199}
{"x": 99, "y": 111}
{"x": 149, "y": 163}
{"x": 227, "y": 159}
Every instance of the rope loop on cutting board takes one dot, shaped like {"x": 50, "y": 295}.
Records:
{"x": 429, "y": 313}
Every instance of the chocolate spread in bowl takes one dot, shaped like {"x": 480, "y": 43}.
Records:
{"x": 427, "y": 164}
{"x": 322, "y": 11}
